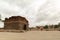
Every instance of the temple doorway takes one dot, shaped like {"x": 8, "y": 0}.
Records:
{"x": 24, "y": 28}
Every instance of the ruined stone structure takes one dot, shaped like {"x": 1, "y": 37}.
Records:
{"x": 40, "y": 28}
{"x": 16, "y": 23}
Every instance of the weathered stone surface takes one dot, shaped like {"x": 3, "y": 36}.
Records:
{"x": 16, "y": 23}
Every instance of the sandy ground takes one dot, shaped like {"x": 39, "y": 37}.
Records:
{"x": 31, "y": 35}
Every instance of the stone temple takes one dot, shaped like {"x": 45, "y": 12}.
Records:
{"x": 16, "y": 23}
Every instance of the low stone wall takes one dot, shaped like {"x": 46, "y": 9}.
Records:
{"x": 18, "y": 31}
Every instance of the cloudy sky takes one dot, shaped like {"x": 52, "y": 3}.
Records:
{"x": 38, "y": 12}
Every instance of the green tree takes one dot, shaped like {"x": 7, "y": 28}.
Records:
{"x": 46, "y": 27}
{"x": 56, "y": 26}
{"x": 59, "y": 25}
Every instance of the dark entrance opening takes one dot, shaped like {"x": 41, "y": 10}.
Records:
{"x": 24, "y": 28}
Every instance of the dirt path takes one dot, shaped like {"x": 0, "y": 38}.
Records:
{"x": 31, "y": 35}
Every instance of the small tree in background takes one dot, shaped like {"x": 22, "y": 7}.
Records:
{"x": 59, "y": 25}
{"x": 56, "y": 26}
{"x": 46, "y": 27}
